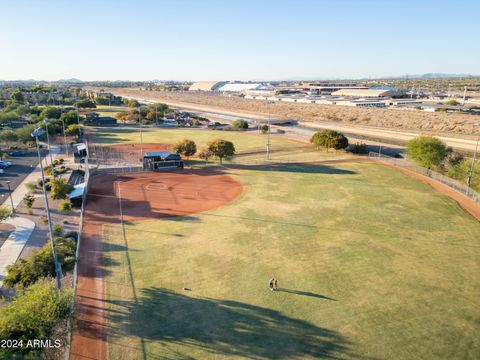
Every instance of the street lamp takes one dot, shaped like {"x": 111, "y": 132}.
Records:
{"x": 58, "y": 268}
{"x": 46, "y": 120}
{"x": 64, "y": 135}
{"x": 268, "y": 131}
{"x": 141, "y": 133}
{"x": 10, "y": 194}
{"x": 472, "y": 167}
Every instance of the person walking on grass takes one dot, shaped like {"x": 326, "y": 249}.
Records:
{"x": 271, "y": 283}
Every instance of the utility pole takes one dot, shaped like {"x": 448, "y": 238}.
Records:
{"x": 464, "y": 95}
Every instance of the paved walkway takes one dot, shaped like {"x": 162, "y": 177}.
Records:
{"x": 13, "y": 246}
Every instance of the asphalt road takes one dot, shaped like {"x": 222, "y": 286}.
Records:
{"x": 22, "y": 166}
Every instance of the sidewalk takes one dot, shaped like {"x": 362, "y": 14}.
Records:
{"x": 13, "y": 246}
{"x": 11, "y": 250}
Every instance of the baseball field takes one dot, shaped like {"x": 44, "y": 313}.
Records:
{"x": 371, "y": 263}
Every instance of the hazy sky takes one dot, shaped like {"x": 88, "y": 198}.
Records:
{"x": 228, "y": 40}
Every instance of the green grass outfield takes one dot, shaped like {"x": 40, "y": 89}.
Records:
{"x": 243, "y": 141}
{"x": 373, "y": 264}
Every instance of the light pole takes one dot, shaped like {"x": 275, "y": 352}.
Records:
{"x": 78, "y": 118}
{"x": 58, "y": 268}
{"x": 268, "y": 132}
{"x": 64, "y": 136}
{"x": 141, "y": 133}
{"x": 472, "y": 167}
{"x": 46, "y": 120}
{"x": 10, "y": 194}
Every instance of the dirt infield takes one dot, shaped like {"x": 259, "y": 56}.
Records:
{"x": 145, "y": 196}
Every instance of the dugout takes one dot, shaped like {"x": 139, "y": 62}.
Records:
{"x": 161, "y": 160}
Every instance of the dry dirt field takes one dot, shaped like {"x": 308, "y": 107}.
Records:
{"x": 441, "y": 123}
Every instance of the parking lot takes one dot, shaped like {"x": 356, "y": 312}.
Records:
{"x": 21, "y": 167}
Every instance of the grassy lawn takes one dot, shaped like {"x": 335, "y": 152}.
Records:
{"x": 371, "y": 264}
{"x": 242, "y": 140}
{"x": 105, "y": 110}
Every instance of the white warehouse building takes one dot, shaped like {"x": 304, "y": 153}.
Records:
{"x": 239, "y": 87}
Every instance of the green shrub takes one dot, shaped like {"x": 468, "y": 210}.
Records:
{"x": 427, "y": 151}
{"x": 240, "y": 124}
{"x": 40, "y": 263}
{"x": 264, "y": 128}
{"x": 28, "y": 200}
{"x": 60, "y": 188}
{"x": 329, "y": 139}
{"x": 57, "y": 230}
{"x": 31, "y": 186}
{"x": 34, "y": 314}
{"x": 65, "y": 206}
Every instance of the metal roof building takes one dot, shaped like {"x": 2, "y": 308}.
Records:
{"x": 364, "y": 93}
{"x": 206, "y": 85}
{"x": 238, "y": 87}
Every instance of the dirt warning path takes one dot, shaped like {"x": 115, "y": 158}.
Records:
{"x": 145, "y": 196}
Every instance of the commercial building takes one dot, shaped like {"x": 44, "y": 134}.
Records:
{"x": 365, "y": 93}
{"x": 206, "y": 85}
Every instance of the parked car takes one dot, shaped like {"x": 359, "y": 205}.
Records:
{"x": 5, "y": 164}
{"x": 17, "y": 153}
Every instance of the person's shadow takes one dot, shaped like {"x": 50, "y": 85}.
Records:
{"x": 305, "y": 293}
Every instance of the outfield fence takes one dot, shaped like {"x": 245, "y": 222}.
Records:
{"x": 452, "y": 183}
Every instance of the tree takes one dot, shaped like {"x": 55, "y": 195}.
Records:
{"x": 60, "y": 188}
{"x": 240, "y": 124}
{"x": 72, "y": 130}
{"x": 70, "y": 117}
{"x": 427, "y": 151}
{"x": 205, "y": 155}
{"x": 264, "y": 128}
{"x": 51, "y": 112}
{"x": 24, "y": 134}
{"x": 7, "y": 135}
{"x": 133, "y": 103}
{"x": 28, "y": 200}
{"x": 5, "y": 213}
{"x": 185, "y": 147}
{"x": 17, "y": 96}
{"x": 102, "y": 100}
{"x": 34, "y": 314}
{"x": 329, "y": 139}
{"x": 86, "y": 104}
{"x": 221, "y": 148}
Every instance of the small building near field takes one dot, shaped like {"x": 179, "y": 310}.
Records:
{"x": 161, "y": 160}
